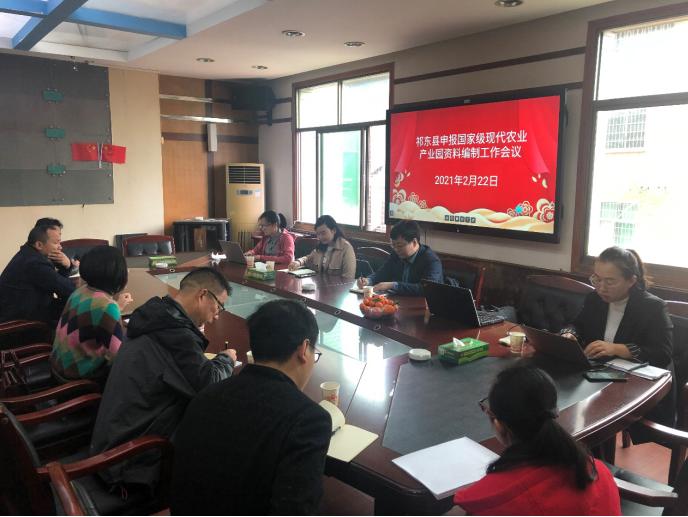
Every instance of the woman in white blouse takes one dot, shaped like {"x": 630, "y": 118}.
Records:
{"x": 621, "y": 319}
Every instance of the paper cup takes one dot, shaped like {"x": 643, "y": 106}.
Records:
{"x": 250, "y": 261}
{"x": 516, "y": 340}
{"x": 368, "y": 291}
{"x": 270, "y": 265}
{"x": 249, "y": 357}
{"x": 330, "y": 392}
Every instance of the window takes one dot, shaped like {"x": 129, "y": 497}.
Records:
{"x": 631, "y": 148}
{"x": 340, "y": 153}
{"x": 626, "y": 130}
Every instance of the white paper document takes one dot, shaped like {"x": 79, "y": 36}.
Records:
{"x": 447, "y": 467}
{"x": 347, "y": 441}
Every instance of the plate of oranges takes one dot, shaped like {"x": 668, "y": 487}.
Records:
{"x": 378, "y": 307}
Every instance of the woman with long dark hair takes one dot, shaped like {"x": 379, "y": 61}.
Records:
{"x": 621, "y": 319}
{"x": 333, "y": 255}
{"x": 90, "y": 329}
{"x": 543, "y": 471}
{"x": 277, "y": 244}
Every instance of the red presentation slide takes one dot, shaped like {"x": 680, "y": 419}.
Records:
{"x": 491, "y": 165}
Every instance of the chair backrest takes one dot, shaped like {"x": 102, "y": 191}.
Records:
{"x": 20, "y": 487}
{"x": 18, "y": 333}
{"x": 363, "y": 268}
{"x": 375, "y": 257}
{"x": 148, "y": 245}
{"x": 304, "y": 245}
{"x": 468, "y": 274}
{"x": 678, "y": 312}
{"x": 551, "y": 302}
{"x": 77, "y": 248}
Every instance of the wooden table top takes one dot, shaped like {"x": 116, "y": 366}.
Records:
{"x": 367, "y": 388}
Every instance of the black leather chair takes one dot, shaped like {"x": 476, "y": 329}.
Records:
{"x": 468, "y": 274}
{"x": 641, "y": 496}
{"x": 303, "y": 246}
{"x": 375, "y": 257}
{"x": 551, "y": 302}
{"x": 25, "y": 482}
{"x": 75, "y": 249}
{"x": 363, "y": 268}
{"x": 148, "y": 245}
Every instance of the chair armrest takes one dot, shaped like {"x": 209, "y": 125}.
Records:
{"x": 58, "y": 411}
{"x": 645, "y": 496}
{"x": 682, "y": 408}
{"x": 63, "y": 489}
{"x": 114, "y": 456}
{"x": 10, "y": 327}
{"x": 661, "y": 433}
{"x": 43, "y": 357}
{"x": 14, "y": 403}
{"x": 36, "y": 348}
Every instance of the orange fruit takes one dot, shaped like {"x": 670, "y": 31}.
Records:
{"x": 362, "y": 306}
{"x": 379, "y": 304}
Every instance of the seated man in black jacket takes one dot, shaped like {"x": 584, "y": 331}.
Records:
{"x": 159, "y": 368}
{"x": 255, "y": 444}
{"x": 410, "y": 263}
{"x": 34, "y": 276}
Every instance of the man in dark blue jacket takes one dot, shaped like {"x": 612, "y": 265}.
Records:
{"x": 34, "y": 276}
{"x": 410, "y": 263}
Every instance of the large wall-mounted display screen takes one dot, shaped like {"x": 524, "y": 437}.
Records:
{"x": 488, "y": 167}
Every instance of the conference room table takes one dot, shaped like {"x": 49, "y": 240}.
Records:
{"x": 369, "y": 359}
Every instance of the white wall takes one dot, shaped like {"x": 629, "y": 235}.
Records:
{"x": 560, "y": 32}
{"x": 138, "y": 207}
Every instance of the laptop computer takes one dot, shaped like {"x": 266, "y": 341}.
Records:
{"x": 456, "y": 303}
{"x": 559, "y": 346}
{"x": 233, "y": 252}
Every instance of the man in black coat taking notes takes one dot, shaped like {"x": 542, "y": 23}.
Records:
{"x": 255, "y": 444}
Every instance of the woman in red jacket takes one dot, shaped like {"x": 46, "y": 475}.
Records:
{"x": 543, "y": 471}
{"x": 277, "y": 244}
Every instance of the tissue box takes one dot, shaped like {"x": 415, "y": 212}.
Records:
{"x": 170, "y": 260}
{"x": 260, "y": 275}
{"x": 473, "y": 349}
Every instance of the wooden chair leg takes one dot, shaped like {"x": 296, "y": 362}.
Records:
{"x": 625, "y": 439}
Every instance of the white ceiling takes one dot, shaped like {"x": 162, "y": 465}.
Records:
{"x": 241, "y": 33}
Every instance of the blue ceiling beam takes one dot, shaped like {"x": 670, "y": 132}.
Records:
{"x": 57, "y": 11}
{"x": 45, "y": 16}
{"x": 23, "y": 7}
{"x": 127, "y": 23}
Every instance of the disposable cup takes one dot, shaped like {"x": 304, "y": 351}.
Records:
{"x": 330, "y": 392}
{"x": 250, "y": 261}
{"x": 270, "y": 265}
{"x": 368, "y": 291}
{"x": 516, "y": 340}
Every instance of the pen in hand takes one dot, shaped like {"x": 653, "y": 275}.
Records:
{"x": 226, "y": 345}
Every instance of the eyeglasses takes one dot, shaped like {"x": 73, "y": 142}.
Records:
{"x": 399, "y": 247}
{"x": 486, "y": 409}
{"x": 262, "y": 227}
{"x": 317, "y": 353}
{"x": 596, "y": 281}
{"x": 219, "y": 303}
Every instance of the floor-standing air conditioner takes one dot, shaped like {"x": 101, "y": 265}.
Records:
{"x": 245, "y": 200}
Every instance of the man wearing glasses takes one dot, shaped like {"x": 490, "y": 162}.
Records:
{"x": 410, "y": 263}
{"x": 159, "y": 368}
{"x": 255, "y": 444}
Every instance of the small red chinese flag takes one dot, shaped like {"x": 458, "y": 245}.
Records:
{"x": 114, "y": 153}
{"x": 85, "y": 152}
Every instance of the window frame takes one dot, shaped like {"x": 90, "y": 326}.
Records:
{"x": 581, "y": 262}
{"x": 353, "y": 231}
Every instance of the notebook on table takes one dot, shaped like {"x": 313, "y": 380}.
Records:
{"x": 347, "y": 441}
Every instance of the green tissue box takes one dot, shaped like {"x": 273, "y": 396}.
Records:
{"x": 170, "y": 260}
{"x": 473, "y": 349}
{"x": 260, "y": 275}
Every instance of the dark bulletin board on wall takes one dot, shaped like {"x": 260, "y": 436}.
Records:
{"x": 45, "y": 105}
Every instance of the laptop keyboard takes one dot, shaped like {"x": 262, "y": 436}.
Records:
{"x": 487, "y": 318}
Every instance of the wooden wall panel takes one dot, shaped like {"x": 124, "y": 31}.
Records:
{"x": 184, "y": 181}
{"x": 172, "y": 85}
